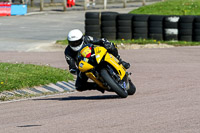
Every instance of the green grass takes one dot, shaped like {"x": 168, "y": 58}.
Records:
{"x": 17, "y": 76}
{"x": 171, "y": 7}
{"x": 62, "y": 42}
{"x": 146, "y": 41}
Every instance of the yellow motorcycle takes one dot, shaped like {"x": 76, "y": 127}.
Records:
{"x": 105, "y": 70}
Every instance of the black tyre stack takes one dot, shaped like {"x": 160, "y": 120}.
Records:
{"x": 156, "y": 27}
{"x": 196, "y": 29}
{"x": 171, "y": 27}
{"x": 186, "y": 28}
{"x": 140, "y": 26}
{"x": 124, "y": 26}
{"x": 92, "y": 24}
{"x": 108, "y": 25}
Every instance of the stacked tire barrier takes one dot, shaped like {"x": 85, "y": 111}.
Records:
{"x": 156, "y": 27}
{"x": 112, "y": 25}
{"x": 92, "y": 24}
{"x": 124, "y": 26}
{"x": 109, "y": 25}
{"x": 196, "y": 35}
{"x": 140, "y": 26}
{"x": 171, "y": 28}
{"x": 186, "y": 28}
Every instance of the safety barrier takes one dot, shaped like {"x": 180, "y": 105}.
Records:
{"x": 5, "y": 9}
{"x": 18, "y": 10}
{"x": 112, "y": 25}
{"x": 70, "y": 3}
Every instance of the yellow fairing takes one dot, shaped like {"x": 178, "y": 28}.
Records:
{"x": 114, "y": 62}
{"x": 99, "y": 52}
{"x": 91, "y": 76}
{"x": 84, "y": 66}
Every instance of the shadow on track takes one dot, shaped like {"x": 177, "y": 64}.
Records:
{"x": 71, "y": 98}
{"x": 30, "y": 126}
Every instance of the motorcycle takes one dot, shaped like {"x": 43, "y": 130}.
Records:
{"x": 105, "y": 70}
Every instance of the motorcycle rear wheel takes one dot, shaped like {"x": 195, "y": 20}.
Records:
{"x": 112, "y": 83}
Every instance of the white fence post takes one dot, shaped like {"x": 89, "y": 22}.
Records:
{"x": 125, "y": 1}
{"x": 41, "y": 5}
{"x": 65, "y": 5}
{"x": 85, "y": 4}
{"x": 105, "y": 4}
{"x": 32, "y": 3}
{"x": 143, "y": 2}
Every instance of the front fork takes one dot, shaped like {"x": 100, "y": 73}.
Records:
{"x": 93, "y": 77}
{"x": 124, "y": 83}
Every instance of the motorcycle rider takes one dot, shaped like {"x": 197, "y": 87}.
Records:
{"x": 76, "y": 40}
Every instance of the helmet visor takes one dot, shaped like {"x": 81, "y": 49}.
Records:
{"x": 75, "y": 43}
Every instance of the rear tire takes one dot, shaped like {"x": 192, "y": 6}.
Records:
{"x": 115, "y": 87}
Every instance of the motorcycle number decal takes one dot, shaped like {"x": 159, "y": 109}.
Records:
{"x": 124, "y": 84}
{"x": 97, "y": 56}
{"x": 81, "y": 65}
{"x": 86, "y": 52}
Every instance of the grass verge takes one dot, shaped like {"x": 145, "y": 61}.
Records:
{"x": 25, "y": 96}
{"x": 62, "y": 42}
{"x": 171, "y": 7}
{"x": 145, "y": 41}
{"x": 17, "y": 76}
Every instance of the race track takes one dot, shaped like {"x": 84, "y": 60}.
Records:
{"x": 166, "y": 101}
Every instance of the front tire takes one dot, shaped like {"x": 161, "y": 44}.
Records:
{"x": 112, "y": 83}
{"x": 132, "y": 88}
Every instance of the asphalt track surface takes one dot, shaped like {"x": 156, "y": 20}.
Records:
{"x": 166, "y": 101}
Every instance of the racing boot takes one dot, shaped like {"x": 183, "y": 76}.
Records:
{"x": 125, "y": 64}
{"x": 94, "y": 86}
{"x": 99, "y": 88}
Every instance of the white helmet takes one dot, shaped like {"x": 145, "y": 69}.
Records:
{"x": 75, "y": 39}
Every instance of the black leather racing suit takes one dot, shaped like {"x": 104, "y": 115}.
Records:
{"x": 72, "y": 59}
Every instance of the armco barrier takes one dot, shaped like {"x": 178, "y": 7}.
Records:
{"x": 5, "y": 9}
{"x": 158, "y": 27}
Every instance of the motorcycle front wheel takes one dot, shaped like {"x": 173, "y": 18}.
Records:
{"x": 132, "y": 88}
{"x": 113, "y": 84}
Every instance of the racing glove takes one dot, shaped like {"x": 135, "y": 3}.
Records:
{"x": 108, "y": 45}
